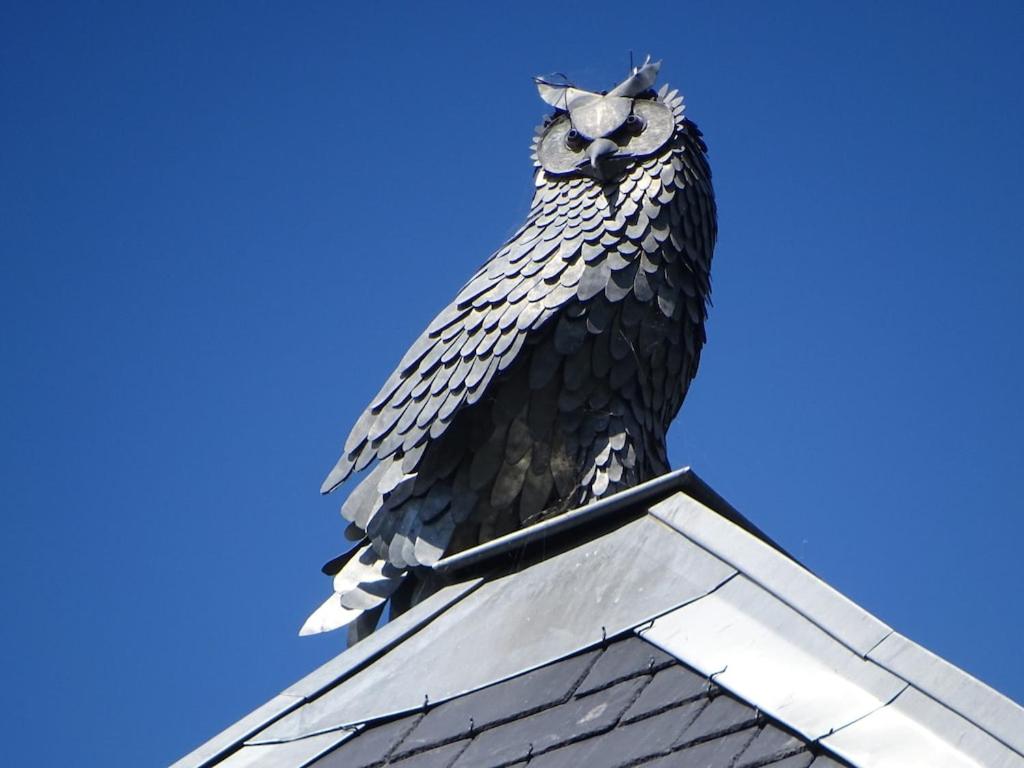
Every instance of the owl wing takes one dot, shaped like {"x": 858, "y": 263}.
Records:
{"x": 472, "y": 340}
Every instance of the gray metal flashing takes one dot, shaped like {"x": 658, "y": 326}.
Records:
{"x": 915, "y": 730}
{"x": 593, "y": 512}
{"x": 229, "y": 739}
{"x": 290, "y": 754}
{"x": 524, "y": 620}
{"x": 782, "y": 576}
{"x": 391, "y": 634}
{"x": 326, "y": 676}
{"x": 771, "y": 656}
{"x": 957, "y": 692}
{"x": 986, "y": 708}
{"x": 685, "y": 480}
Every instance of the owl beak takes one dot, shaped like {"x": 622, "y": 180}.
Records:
{"x": 597, "y": 154}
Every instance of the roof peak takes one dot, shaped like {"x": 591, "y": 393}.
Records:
{"x": 672, "y": 563}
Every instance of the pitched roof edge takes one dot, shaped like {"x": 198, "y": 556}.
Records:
{"x": 326, "y": 676}
{"x": 950, "y": 689}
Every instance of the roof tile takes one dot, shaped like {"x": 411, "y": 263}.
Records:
{"x": 499, "y": 703}
{"x": 716, "y": 753}
{"x": 370, "y": 747}
{"x": 799, "y": 760}
{"x": 439, "y": 757}
{"x": 771, "y": 742}
{"x": 669, "y": 687}
{"x": 625, "y": 745}
{"x": 572, "y": 721}
{"x": 722, "y": 715}
{"x": 823, "y": 761}
{"x": 622, "y": 660}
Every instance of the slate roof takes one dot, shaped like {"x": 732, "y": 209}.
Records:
{"x": 625, "y": 704}
{"x": 656, "y": 628}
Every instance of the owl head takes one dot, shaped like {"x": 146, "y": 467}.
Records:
{"x": 601, "y": 134}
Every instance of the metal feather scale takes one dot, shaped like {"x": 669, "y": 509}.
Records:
{"x": 551, "y": 379}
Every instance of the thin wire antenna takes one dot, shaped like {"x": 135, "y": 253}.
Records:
{"x": 631, "y": 67}
{"x": 566, "y": 84}
{"x": 544, "y": 79}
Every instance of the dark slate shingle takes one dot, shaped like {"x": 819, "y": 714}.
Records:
{"x": 572, "y": 721}
{"x": 771, "y": 742}
{"x": 669, "y": 687}
{"x": 369, "y": 747}
{"x": 439, "y": 757}
{"x": 823, "y": 761}
{"x": 799, "y": 760}
{"x": 624, "y": 745}
{"x": 722, "y": 715}
{"x": 505, "y": 701}
{"x": 716, "y": 753}
{"x": 624, "y": 659}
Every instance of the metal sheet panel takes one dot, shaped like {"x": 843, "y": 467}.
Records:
{"x": 771, "y": 656}
{"x": 783, "y": 577}
{"x": 290, "y": 754}
{"x": 962, "y": 693}
{"x": 237, "y": 733}
{"x": 915, "y": 731}
{"x": 523, "y": 621}
{"x": 380, "y": 641}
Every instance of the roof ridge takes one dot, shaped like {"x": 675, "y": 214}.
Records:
{"x": 621, "y": 503}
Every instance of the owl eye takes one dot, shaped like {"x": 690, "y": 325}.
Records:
{"x": 574, "y": 140}
{"x": 635, "y": 124}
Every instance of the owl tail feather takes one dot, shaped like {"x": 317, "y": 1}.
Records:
{"x": 361, "y": 588}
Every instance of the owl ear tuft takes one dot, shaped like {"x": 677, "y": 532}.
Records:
{"x": 638, "y": 82}
{"x": 558, "y": 95}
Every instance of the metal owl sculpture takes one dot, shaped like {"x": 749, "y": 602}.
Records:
{"x": 551, "y": 379}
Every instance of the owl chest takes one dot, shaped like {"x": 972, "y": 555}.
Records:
{"x": 644, "y": 278}
{"x": 645, "y": 325}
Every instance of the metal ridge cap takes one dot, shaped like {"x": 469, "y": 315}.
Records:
{"x": 597, "y": 510}
{"x": 697, "y": 489}
{"x": 956, "y": 689}
{"x": 683, "y": 479}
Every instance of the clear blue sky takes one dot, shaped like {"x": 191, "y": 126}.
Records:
{"x": 222, "y": 224}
